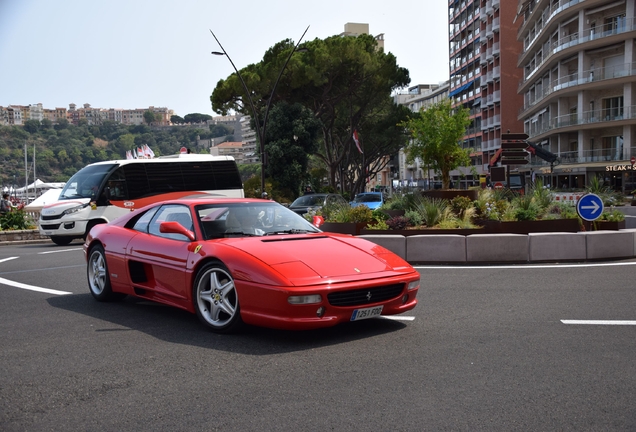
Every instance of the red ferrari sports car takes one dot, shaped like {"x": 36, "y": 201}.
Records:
{"x": 234, "y": 261}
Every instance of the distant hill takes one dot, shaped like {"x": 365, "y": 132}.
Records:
{"x": 62, "y": 149}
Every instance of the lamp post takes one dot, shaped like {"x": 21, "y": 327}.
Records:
{"x": 260, "y": 128}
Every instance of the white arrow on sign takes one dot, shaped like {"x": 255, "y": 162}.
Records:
{"x": 595, "y": 206}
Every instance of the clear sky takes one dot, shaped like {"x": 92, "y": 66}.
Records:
{"x": 138, "y": 53}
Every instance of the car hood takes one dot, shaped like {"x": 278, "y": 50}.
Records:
{"x": 323, "y": 256}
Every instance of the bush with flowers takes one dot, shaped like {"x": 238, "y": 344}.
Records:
{"x": 16, "y": 219}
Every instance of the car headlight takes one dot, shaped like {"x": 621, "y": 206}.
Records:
{"x": 74, "y": 209}
{"x": 306, "y": 299}
{"x": 413, "y": 285}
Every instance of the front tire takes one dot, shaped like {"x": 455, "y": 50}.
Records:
{"x": 216, "y": 300}
{"x": 61, "y": 241}
{"x": 98, "y": 278}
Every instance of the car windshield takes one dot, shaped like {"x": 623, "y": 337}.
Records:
{"x": 250, "y": 219}
{"x": 309, "y": 200}
{"x": 362, "y": 198}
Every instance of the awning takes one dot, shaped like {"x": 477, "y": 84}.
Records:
{"x": 461, "y": 89}
{"x": 477, "y": 102}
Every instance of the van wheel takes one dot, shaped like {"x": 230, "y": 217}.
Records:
{"x": 61, "y": 241}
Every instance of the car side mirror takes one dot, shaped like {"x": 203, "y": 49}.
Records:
{"x": 175, "y": 228}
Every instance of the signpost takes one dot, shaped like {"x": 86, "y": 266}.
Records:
{"x": 514, "y": 147}
{"x": 589, "y": 207}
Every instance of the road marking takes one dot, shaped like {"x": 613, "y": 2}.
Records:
{"x": 526, "y": 266}
{"x": 599, "y": 322}
{"x": 398, "y": 318}
{"x": 29, "y": 287}
{"x": 32, "y": 287}
{"x": 57, "y": 251}
{"x": 8, "y": 259}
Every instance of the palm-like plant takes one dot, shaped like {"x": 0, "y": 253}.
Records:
{"x": 432, "y": 210}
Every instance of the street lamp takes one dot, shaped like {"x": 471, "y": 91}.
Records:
{"x": 260, "y": 128}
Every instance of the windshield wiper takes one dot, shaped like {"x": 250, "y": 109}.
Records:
{"x": 240, "y": 233}
{"x": 291, "y": 231}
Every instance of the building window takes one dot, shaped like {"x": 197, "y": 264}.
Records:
{"x": 613, "y": 108}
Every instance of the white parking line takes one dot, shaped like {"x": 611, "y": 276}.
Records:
{"x": 599, "y": 322}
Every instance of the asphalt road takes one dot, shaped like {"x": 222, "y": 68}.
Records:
{"x": 486, "y": 349}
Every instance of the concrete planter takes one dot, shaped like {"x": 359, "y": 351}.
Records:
{"x": 527, "y": 227}
{"x": 604, "y": 225}
{"x": 425, "y": 231}
{"x": 343, "y": 227}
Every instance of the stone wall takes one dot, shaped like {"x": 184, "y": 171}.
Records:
{"x": 24, "y": 236}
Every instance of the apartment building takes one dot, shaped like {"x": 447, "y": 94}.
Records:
{"x": 415, "y": 174}
{"x": 579, "y": 76}
{"x": 11, "y": 115}
{"x": 250, "y": 141}
{"x": 18, "y": 114}
{"x": 484, "y": 76}
{"x": 234, "y": 149}
{"x": 357, "y": 29}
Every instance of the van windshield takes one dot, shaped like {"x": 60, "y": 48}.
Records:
{"x": 86, "y": 182}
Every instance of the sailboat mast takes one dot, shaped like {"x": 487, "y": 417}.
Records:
{"x": 26, "y": 175}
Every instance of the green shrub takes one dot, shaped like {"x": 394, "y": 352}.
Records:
{"x": 612, "y": 216}
{"x": 346, "y": 213}
{"x": 560, "y": 211}
{"x": 431, "y": 210}
{"x": 15, "y": 220}
{"x": 460, "y": 204}
{"x": 398, "y": 222}
{"x": 397, "y": 202}
{"x": 414, "y": 217}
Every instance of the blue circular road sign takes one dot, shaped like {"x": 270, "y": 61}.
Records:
{"x": 589, "y": 207}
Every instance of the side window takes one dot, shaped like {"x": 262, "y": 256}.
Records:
{"x": 171, "y": 213}
{"x": 116, "y": 186}
{"x": 143, "y": 222}
{"x": 136, "y": 181}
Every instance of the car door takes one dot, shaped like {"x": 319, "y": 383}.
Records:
{"x": 157, "y": 261}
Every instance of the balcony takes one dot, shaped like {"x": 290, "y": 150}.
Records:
{"x": 574, "y": 121}
{"x": 496, "y": 72}
{"x": 496, "y": 48}
{"x": 495, "y": 24}
{"x": 594, "y": 155}
{"x": 548, "y": 14}
{"x": 576, "y": 39}
{"x": 590, "y": 76}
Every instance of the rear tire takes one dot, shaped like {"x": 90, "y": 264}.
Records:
{"x": 98, "y": 278}
{"x": 216, "y": 300}
{"x": 61, "y": 241}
